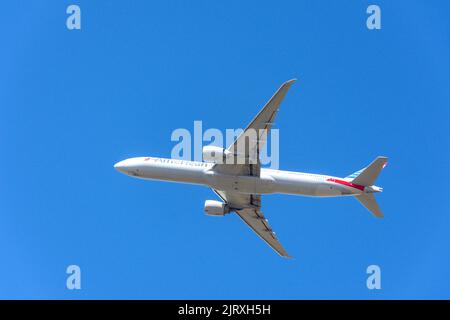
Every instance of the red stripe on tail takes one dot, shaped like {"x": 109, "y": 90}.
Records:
{"x": 346, "y": 183}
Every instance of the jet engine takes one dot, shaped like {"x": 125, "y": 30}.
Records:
{"x": 216, "y": 208}
{"x": 215, "y": 154}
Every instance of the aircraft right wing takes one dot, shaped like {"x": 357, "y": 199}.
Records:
{"x": 255, "y": 219}
{"x": 248, "y": 208}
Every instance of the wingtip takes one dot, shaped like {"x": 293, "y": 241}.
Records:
{"x": 284, "y": 254}
{"x": 291, "y": 81}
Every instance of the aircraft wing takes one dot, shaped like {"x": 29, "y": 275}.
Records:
{"x": 248, "y": 208}
{"x": 255, "y": 219}
{"x": 247, "y": 147}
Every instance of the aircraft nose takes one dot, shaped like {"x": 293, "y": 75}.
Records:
{"x": 121, "y": 166}
{"x": 129, "y": 167}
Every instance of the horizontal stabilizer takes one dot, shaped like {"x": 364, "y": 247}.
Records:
{"x": 368, "y": 200}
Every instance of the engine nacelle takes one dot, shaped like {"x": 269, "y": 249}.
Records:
{"x": 215, "y": 154}
{"x": 216, "y": 208}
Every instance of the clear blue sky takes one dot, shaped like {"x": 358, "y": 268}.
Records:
{"x": 72, "y": 103}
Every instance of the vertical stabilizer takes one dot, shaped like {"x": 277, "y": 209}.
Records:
{"x": 367, "y": 176}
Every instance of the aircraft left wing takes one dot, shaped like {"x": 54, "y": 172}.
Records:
{"x": 247, "y": 147}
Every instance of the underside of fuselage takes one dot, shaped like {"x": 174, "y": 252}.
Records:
{"x": 281, "y": 182}
{"x": 269, "y": 182}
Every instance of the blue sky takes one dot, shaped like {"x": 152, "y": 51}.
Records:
{"x": 72, "y": 103}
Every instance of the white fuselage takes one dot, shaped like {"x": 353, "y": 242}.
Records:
{"x": 269, "y": 181}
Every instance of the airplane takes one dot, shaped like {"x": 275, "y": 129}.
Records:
{"x": 239, "y": 180}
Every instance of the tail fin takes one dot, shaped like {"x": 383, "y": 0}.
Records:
{"x": 368, "y": 200}
{"x": 367, "y": 176}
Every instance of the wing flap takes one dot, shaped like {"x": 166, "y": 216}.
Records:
{"x": 260, "y": 125}
{"x": 255, "y": 219}
{"x": 246, "y": 148}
